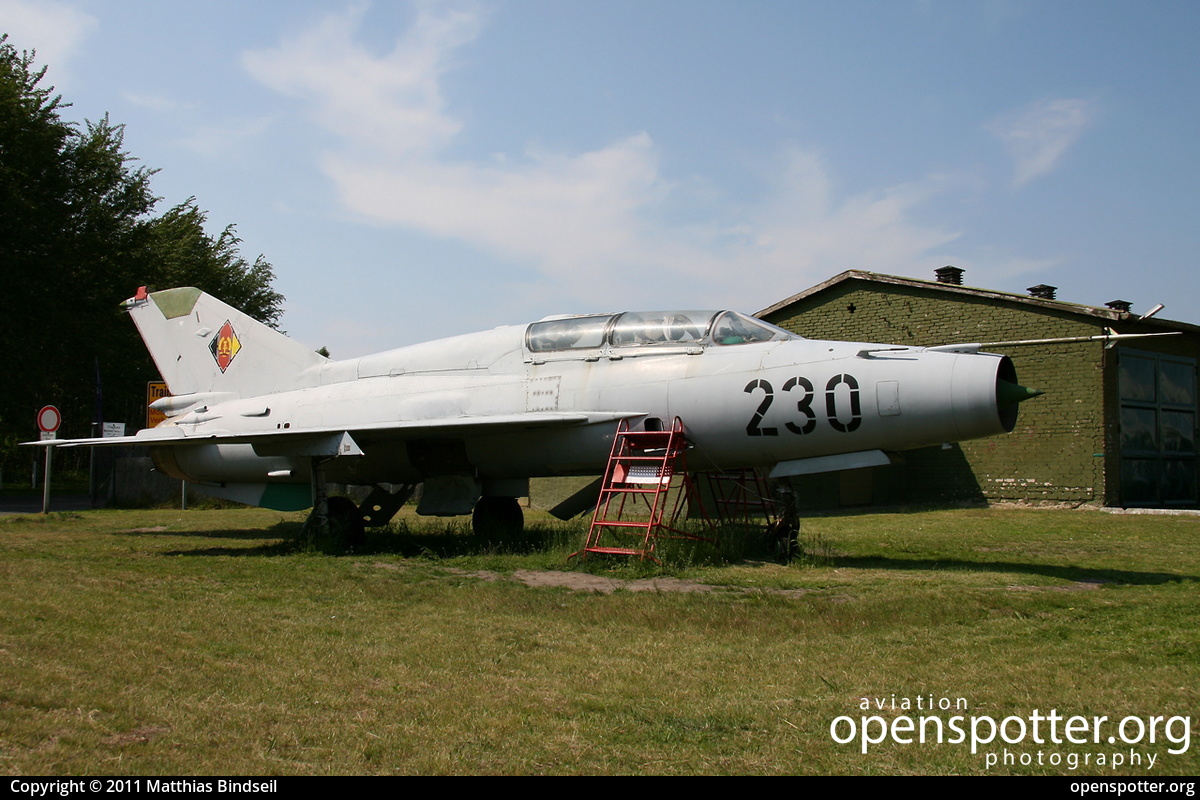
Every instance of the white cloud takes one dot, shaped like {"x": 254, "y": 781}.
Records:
{"x": 55, "y": 30}
{"x": 593, "y": 223}
{"x": 802, "y": 232}
{"x": 561, "y": 211}
{"x": 385, "y": 105}
{"x": 1039, "y": 135}
{"x": 224, "y": 141}
{"x": 155, "y": 102}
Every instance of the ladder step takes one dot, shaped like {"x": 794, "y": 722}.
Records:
{"x": 620, "y": 551}
{"x": 619, "y": 459}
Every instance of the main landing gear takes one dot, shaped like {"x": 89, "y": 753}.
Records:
{"x": 337, "y": 518}
{"x": 345, "y": 522}
{"x": 494, "y": 518}
{"x": 498, "y": 518}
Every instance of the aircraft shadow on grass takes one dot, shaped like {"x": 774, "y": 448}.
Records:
{"x": 290, "y": 537}
{"x": 1075, "y": 574}
{"x": 287, "y": 538}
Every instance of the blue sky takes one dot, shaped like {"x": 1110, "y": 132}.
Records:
{"x": 420, "y": 169}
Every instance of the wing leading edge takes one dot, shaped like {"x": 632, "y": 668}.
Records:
{"x": 319, "y": 441}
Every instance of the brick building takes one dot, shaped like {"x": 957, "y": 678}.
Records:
{"x": 1115, "y": 427}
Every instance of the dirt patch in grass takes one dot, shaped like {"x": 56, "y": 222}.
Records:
{"x": 141, "y": 735}
{"x": 585, "y": 582}
{"x": 1074, "y": 586}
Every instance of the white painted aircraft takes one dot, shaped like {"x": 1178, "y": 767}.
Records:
{"x": 257, "y": 417}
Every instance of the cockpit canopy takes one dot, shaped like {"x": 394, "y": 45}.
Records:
{"x": 650, "y": 329}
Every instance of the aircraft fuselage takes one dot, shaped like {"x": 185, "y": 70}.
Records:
{"x": 754, "y": 403}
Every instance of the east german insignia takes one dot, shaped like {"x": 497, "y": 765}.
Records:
{"x": 224, "y": 346}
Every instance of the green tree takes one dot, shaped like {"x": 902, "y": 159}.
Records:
{"x": 77, "y": 237}
{"x": 186, "y": 256}
{"x": 72, "y": 211}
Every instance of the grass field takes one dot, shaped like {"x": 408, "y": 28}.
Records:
{"x": 217, "y": 642}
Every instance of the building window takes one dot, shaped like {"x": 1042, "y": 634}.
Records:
{"x": 1158, "y": 429}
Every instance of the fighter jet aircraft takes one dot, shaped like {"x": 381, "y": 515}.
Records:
{"x": 257, "y": 417}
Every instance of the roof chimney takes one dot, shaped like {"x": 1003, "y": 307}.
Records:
{"x": 1120, "y": 305}
{"x": 1042, "y": 291}
{"x": 949, "y": 274}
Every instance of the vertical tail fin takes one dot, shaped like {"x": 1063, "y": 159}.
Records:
{"x": 200, "y": 344}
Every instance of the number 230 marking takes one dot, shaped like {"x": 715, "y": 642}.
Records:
{"x": 807, "y": 422}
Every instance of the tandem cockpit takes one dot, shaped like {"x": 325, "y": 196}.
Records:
{"x": 642, "y": 332}
{"x": 652, "y": 331}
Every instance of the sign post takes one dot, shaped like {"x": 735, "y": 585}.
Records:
{"x": 48, "y": 420}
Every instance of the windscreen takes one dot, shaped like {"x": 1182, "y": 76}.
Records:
{"x": 735, "y": 328}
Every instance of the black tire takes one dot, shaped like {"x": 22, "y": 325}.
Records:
{"x": 783, "y": 540}
{"x": 498, "y": 518}
{"x": 345, "y": 521}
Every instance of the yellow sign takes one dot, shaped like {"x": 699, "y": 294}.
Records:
{"x": 155, "y": 390}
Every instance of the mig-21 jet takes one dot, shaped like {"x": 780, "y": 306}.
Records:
{"x": 257, "y": 417}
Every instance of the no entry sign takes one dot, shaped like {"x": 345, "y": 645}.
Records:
{"x": 49, "y": 419}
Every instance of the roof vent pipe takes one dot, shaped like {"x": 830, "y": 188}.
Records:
{"x": 1120, "y": 305}
{"x": 1042, "y": 291}
{"x": 949, "y": 274}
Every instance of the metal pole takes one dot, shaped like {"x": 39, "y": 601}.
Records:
{"x": 46, "y": 482}
{"x": 92, "y": 472}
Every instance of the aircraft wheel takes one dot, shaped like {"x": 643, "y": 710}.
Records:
{"x": 346, "y": 521}
{"x": 498, "y": 518}
{"x": 783, "y": 538}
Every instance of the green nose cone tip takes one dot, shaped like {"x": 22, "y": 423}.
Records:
{"x": 1009, "y": 393}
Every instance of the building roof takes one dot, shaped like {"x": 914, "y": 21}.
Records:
{"x": 1105, "y": 315}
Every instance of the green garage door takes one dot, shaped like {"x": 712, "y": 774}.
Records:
{"x": 1158, "y": 429}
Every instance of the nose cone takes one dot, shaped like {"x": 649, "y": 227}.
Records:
{"x": 1009, "y": 393}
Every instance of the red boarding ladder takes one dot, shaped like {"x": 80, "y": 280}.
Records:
{"x": 640, "y": 467}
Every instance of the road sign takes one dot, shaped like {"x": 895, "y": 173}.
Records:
{"x": 48, "y": 419}
{"x": 155, "y": 390}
